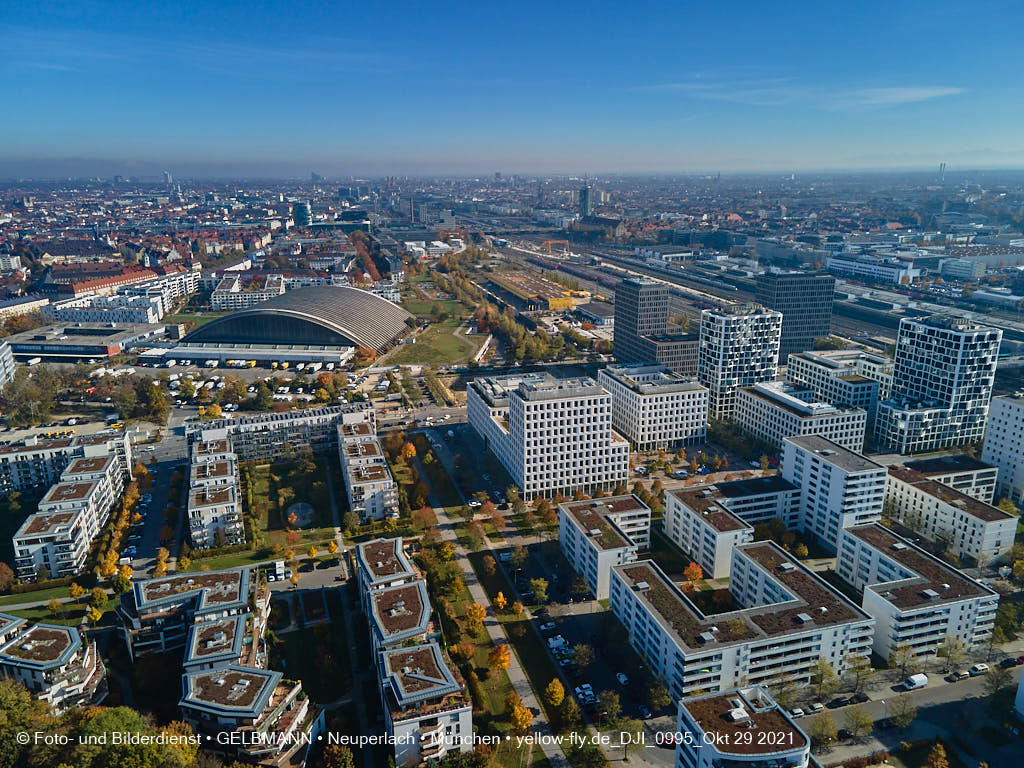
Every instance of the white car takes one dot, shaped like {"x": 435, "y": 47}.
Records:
{"x": 547, "y": 627}
{"x": 621, "y": 677}
{"x": 796, "y": 712}
{"x": 815, "y": 707}
{"x": 978, "y": 669}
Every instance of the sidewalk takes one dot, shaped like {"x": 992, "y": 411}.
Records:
{"x": 516, "y": 675}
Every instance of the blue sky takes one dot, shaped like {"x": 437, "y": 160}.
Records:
{"x": 472, "y": 87}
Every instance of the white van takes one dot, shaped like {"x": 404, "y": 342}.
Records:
{"x": 914, "y": 682}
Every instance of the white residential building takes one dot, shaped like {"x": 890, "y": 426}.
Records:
{"x": 739, "y": 347}
{"x": 732, "y": 729}
{"x": 372, "y": 492}
{"x": 962, "y": 472}
{"x": 788, "y": 618}
{"x": 552, "y": 435}
{"x": 426, "y": 711}
{"x": 106, "y": 309}
{"x": 843, "y": 377}
{"x": 915, "y": 599}
{"x": 265, "y": 436}
{"x": 213, "y": 498}
{"x": 36, "y": 463}
{"x": 230, "y": 294}
{"x": 887, "y": 269}
{"x": 593, "y": 536}
{"x": 941, "y": 385}
{"x": 773, "y": 411}
{"x": 382, "y": 563}
{"x": 55, "y": 663}
{"x": 654, "y": 408}
{"x": 1004, "y": 445}
{"x": 838, "y": 487}
{"x": 703, "y": 527}
{"x": 969, "y": 528}
{"x": 6, "y": 363}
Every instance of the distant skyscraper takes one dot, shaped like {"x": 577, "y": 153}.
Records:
{"x": 739, "y": 347}
{"x": 942, "y": 380}
{"x": 805, "y": 301}
{"x": 585, "y": 200}
{"x": 302, "y": 214}
{"x": 640, "y": 333}
{"x": 168, "y": 179}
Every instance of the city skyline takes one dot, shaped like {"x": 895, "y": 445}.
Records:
{"x": 234, "y": 91}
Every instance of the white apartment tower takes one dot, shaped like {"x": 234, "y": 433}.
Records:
{"x": 941, "y": 385}
{"x": 552, "y": 435}
{"x": 838, "y": 488}
{"x": 739, "y": 347}
{"x": 654, "y": 408}
{"x": 1004, "y": 445}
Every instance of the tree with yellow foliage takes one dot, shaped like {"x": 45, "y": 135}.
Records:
{"x": 520, "y": 719}
{"x": 160, "y": 570}
{"x": 475, "y": 616}
{"x": 554, "y": 694}
{"x": 500, "y": 602}
{"x": 499, "y": 657}
{"x": 93, "y": 616}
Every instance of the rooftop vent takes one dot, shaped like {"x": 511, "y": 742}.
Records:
{"x": 803, "y": 618}
{"x": 827, "y": 452}
{"x": 945, "y": 586}
{"x": 594, "y": 531}
{"x": 713, "y": 629}
{"x": 931, "y": 594}
{"x": 899, "y": 545}
{"x": 822, "y": 610}
{"x": 705, "y": 637}
{"x": 640, "y": 586}
{"x": 738, "y": 715}
{"x": 786, "y": 567}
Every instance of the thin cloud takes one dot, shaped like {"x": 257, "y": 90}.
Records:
{"x": 886, "y": 97}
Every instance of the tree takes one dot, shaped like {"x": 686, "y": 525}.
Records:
{"x": 75, "y": 591}
{"x": 903, "y": 659}
{"x": 499, "y": 656}
{"x": 764, "y": 463}
{"x": 902, "y": 712}
{"x": 520, "y": 719}
{"x": 824, "y": 680}
{"x": 569, "y": 713}
{"x": 554, "y": 694}
{"x": 611, "y": 705}
{"x": 6, "y": 577}
{"x": 350, "y": 520}
{"x": 517, "y": 608}
{"x": 490, "y": 565}
{"x": 54, "y": 606}
{"x": 500, "y": 602}
{"x": 519, "y": 556}
{"x": 693, "y": 572}
{"x": 162, "y": 554}
{"x": 785, "y": 691}
{"x": 997, "y": 680}
{"x": 337, "y": 756}
{"x": 120, "y": 584}
{"x": 408, "y": 451}
{"x": 475, "y": 616}
{"x": 332, "y": 547}
{"x": 997, "y": 638}
{"x": 937, "y": 757}
{"x": 952, "y": 650}
{"x": 1007, "y": 506}
{"x": 858, "y": 720}
{"x": 540, "y": 590}
{"x": 657, "y": 696}
{"x": 583, "y": 655}
{"x": 183, "y": 563}
{"x": 823, "y": 730}
{"x": 98, "y": 598}
{"x": 94, "y": 615}
{"x": 859, "y": 670}
{"x": 801, "y": 550}
{"x": 630, "y": 731}
{"x": 294, "y": 579}
{"x": 160, "y": 569}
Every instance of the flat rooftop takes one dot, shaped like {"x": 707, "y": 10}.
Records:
{"x": 210, "y": 447}
{"x": 365, "y": 449}
{"x": 810, "y": 598}
{"x": 732, "y": 716}
{"x": 89, "y": 465}
{"x": 707, "y": 503}
{"x": 791, "y": 399}
{"x": 233, "y": 688}
{"x": 833, "y": 453}
{"x": 419, "y": 673}
{"x": 220, "y": 586}
{"x": 966, "y": 504}
{"x": 46, "y": 523}
{"x": 72, "y": 491}
{"x": 369, "y": 473}
{"x": 384, "y": 559}
{"x": 934, "y": 582}
{"x": 754, "y": 486}
{"x": 402, "y": 609}
{"x": 42, "y": 644}
{"x": 206, "y": 496}
{"x": 360, "y": 429}
{"x": 214, "y": 638}
{"x": 595, "y": 515}
{"x": 651, "y": 379}
{"x": 209, "y": 470}
{"x": 947, "y": 465}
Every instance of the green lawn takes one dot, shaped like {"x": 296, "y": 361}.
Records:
{"x": 437, "y": 345}
{"x": 414, "y": 303}
{"x": 33, "y": 597}
{"x": 70, "y": 616}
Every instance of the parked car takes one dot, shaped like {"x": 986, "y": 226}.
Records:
{"x": 621, "y": 677}
{"x": 1008, "y": 662}
{"x": 978, "y": 669}
{"x": 796, "y": 712}
{"x": 844, "y": 733}
{"x": 859, "y": 698}
{"x": 885, "y": 724}
{"x": 547, "y": 626}
{"x": 839, "y": 701}
{"x": 960, "y": 674}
